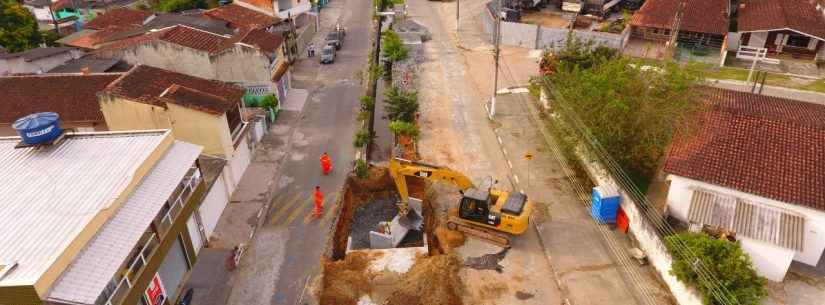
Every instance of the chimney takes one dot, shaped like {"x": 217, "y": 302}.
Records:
{"x": 85, "y": 71}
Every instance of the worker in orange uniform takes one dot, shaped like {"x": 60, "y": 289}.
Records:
{"x": 326, "y": 163}
{"x": 319, "y": 202}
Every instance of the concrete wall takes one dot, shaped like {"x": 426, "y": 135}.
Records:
{"x": 537, "y": 37}
{"x": 767, "y": 258}
{"x": 649, "y": 241}
{"x": 242, "y": 65}
{"x": 171, "y": 57}
{"x": 122, "y": 114}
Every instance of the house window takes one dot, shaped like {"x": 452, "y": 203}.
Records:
{"x": 798, "y": 41}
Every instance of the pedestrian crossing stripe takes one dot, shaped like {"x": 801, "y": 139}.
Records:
{"x": 297, "y": 210}
{"x": 285, "y": 208}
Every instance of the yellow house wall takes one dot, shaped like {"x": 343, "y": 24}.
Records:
{"x": 189, "y": 125}
{"x": 123, "y": 114}
{"x": 201, "y": 128}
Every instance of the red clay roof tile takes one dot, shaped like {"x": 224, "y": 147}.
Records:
{"x": 73, "y": 96}
{"x": 799, "y": 15}
{"x": 118, "y": 17}
{"x": 146, "y": 84}
{"x": 702, "y": 16}
{"x": 239, "y": 16}
{"x": 767, "y": 146}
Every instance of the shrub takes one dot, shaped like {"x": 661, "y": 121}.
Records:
{"x": 725, "y": 260}
{"x": 401, "y": 105}
{"x": 401, "y": 128}
{"x": 269, "y": 101}
{"x": 367, "y": 103}
{"x": 392, "y": 46}
{"x": 363, "y": 115}
{"x": 361, "y": 169}
{"x": 362, "y": 138}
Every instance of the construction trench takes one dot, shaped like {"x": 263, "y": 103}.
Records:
{"x": 421, "y": 269}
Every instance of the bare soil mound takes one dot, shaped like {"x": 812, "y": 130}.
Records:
{"x": 346, "y": 280}
{"x": 432, "y": 280}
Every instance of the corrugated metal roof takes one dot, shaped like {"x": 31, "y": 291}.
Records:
{"x": 749, "y": 219}
{"x": 88, "y": 275}
{"x": 50, "y": 194}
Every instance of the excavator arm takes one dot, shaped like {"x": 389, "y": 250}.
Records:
{"x": 400, "y": 168}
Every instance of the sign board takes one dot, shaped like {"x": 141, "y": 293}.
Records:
{"x": 155, "y": 293}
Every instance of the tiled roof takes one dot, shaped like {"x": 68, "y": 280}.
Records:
{"x": 73, "y": 96}
{"x": 239, "y": 16}
{"x": 702, "y": 16}
{"x": 199, "y": 100}
{"x": 180, "y": 35}
{"x": 799, "y": 15}
{"x": 118, "y": 17}
{"x": 263, "y": 40}
{"x": 36, "y": 53}
{"x": 94, "y": 38}
{"x": 767, "y": 146}
{"x": 146, "y": 84}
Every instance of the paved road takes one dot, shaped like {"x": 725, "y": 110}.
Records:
{"x": 286, "y": 250}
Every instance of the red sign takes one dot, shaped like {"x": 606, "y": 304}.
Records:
{"x": 155, "y": 293}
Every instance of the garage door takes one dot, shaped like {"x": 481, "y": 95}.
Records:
{"x": 213, "y": 205}
{"x": 194, "y": 233}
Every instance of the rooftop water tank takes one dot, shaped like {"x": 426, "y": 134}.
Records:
{"x": 38, "y": 128}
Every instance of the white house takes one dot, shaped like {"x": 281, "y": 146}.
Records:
{"x": 754, "y": 165}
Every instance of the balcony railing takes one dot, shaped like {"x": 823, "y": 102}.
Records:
{"x": 125, "y": 282}
{"x": 122, "y": 283}
{"x": 179, "y": 199}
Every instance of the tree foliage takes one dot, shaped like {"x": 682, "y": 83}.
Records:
{"x": 401, "y": 105}
{"x": 18, "y": 28}
{"x": 362, "y": 138}
{"x": 392, "y": 46}
{"x": 180, "y": 5}
{"x": 630, "y": 110}
{"x": 728, "y": 263}
{"x": 361, "y": 169}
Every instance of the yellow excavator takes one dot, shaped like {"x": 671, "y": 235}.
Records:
{"x": 483, "y": 211}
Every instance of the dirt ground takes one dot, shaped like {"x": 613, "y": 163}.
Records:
{"x": 545, "y": 18}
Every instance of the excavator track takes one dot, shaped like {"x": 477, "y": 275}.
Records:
{"x": 488, "y": 235}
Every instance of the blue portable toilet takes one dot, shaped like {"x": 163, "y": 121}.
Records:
{"x": 38, "y": 128}
{"x": 605, "y": 204}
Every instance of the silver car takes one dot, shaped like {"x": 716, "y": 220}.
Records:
{"x": 328, "y": 54}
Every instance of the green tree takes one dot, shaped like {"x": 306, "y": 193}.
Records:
{"x": 725, "y": 260}
{"x": 18, "y": 28}
{"x": 361, "y": 169}
{"x": 401, "y": 105}
{"x": 630, "y": 111}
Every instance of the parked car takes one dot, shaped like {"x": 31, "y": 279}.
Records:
{"x": 328, "y": 54}
{"x": 335, "y": 38}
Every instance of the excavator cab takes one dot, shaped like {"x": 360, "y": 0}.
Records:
{"x": 476, "y": 204}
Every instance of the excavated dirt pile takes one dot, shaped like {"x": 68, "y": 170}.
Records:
{"x": 449, "y": 239}
{"x": 432, "y": 280}
{"x": 346, "y": 280}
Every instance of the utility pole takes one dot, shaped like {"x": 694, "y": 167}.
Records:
{"x": 497, "y": 52}
{"x": 457, "y": 10}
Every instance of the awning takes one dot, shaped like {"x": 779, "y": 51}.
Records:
{"x": 749, "y": 219}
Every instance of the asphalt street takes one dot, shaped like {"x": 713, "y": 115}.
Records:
{"x": 286, "y": 250}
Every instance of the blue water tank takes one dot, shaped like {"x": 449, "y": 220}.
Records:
{"x": 38, "y": 128}
{"x": 605, "y": 204}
